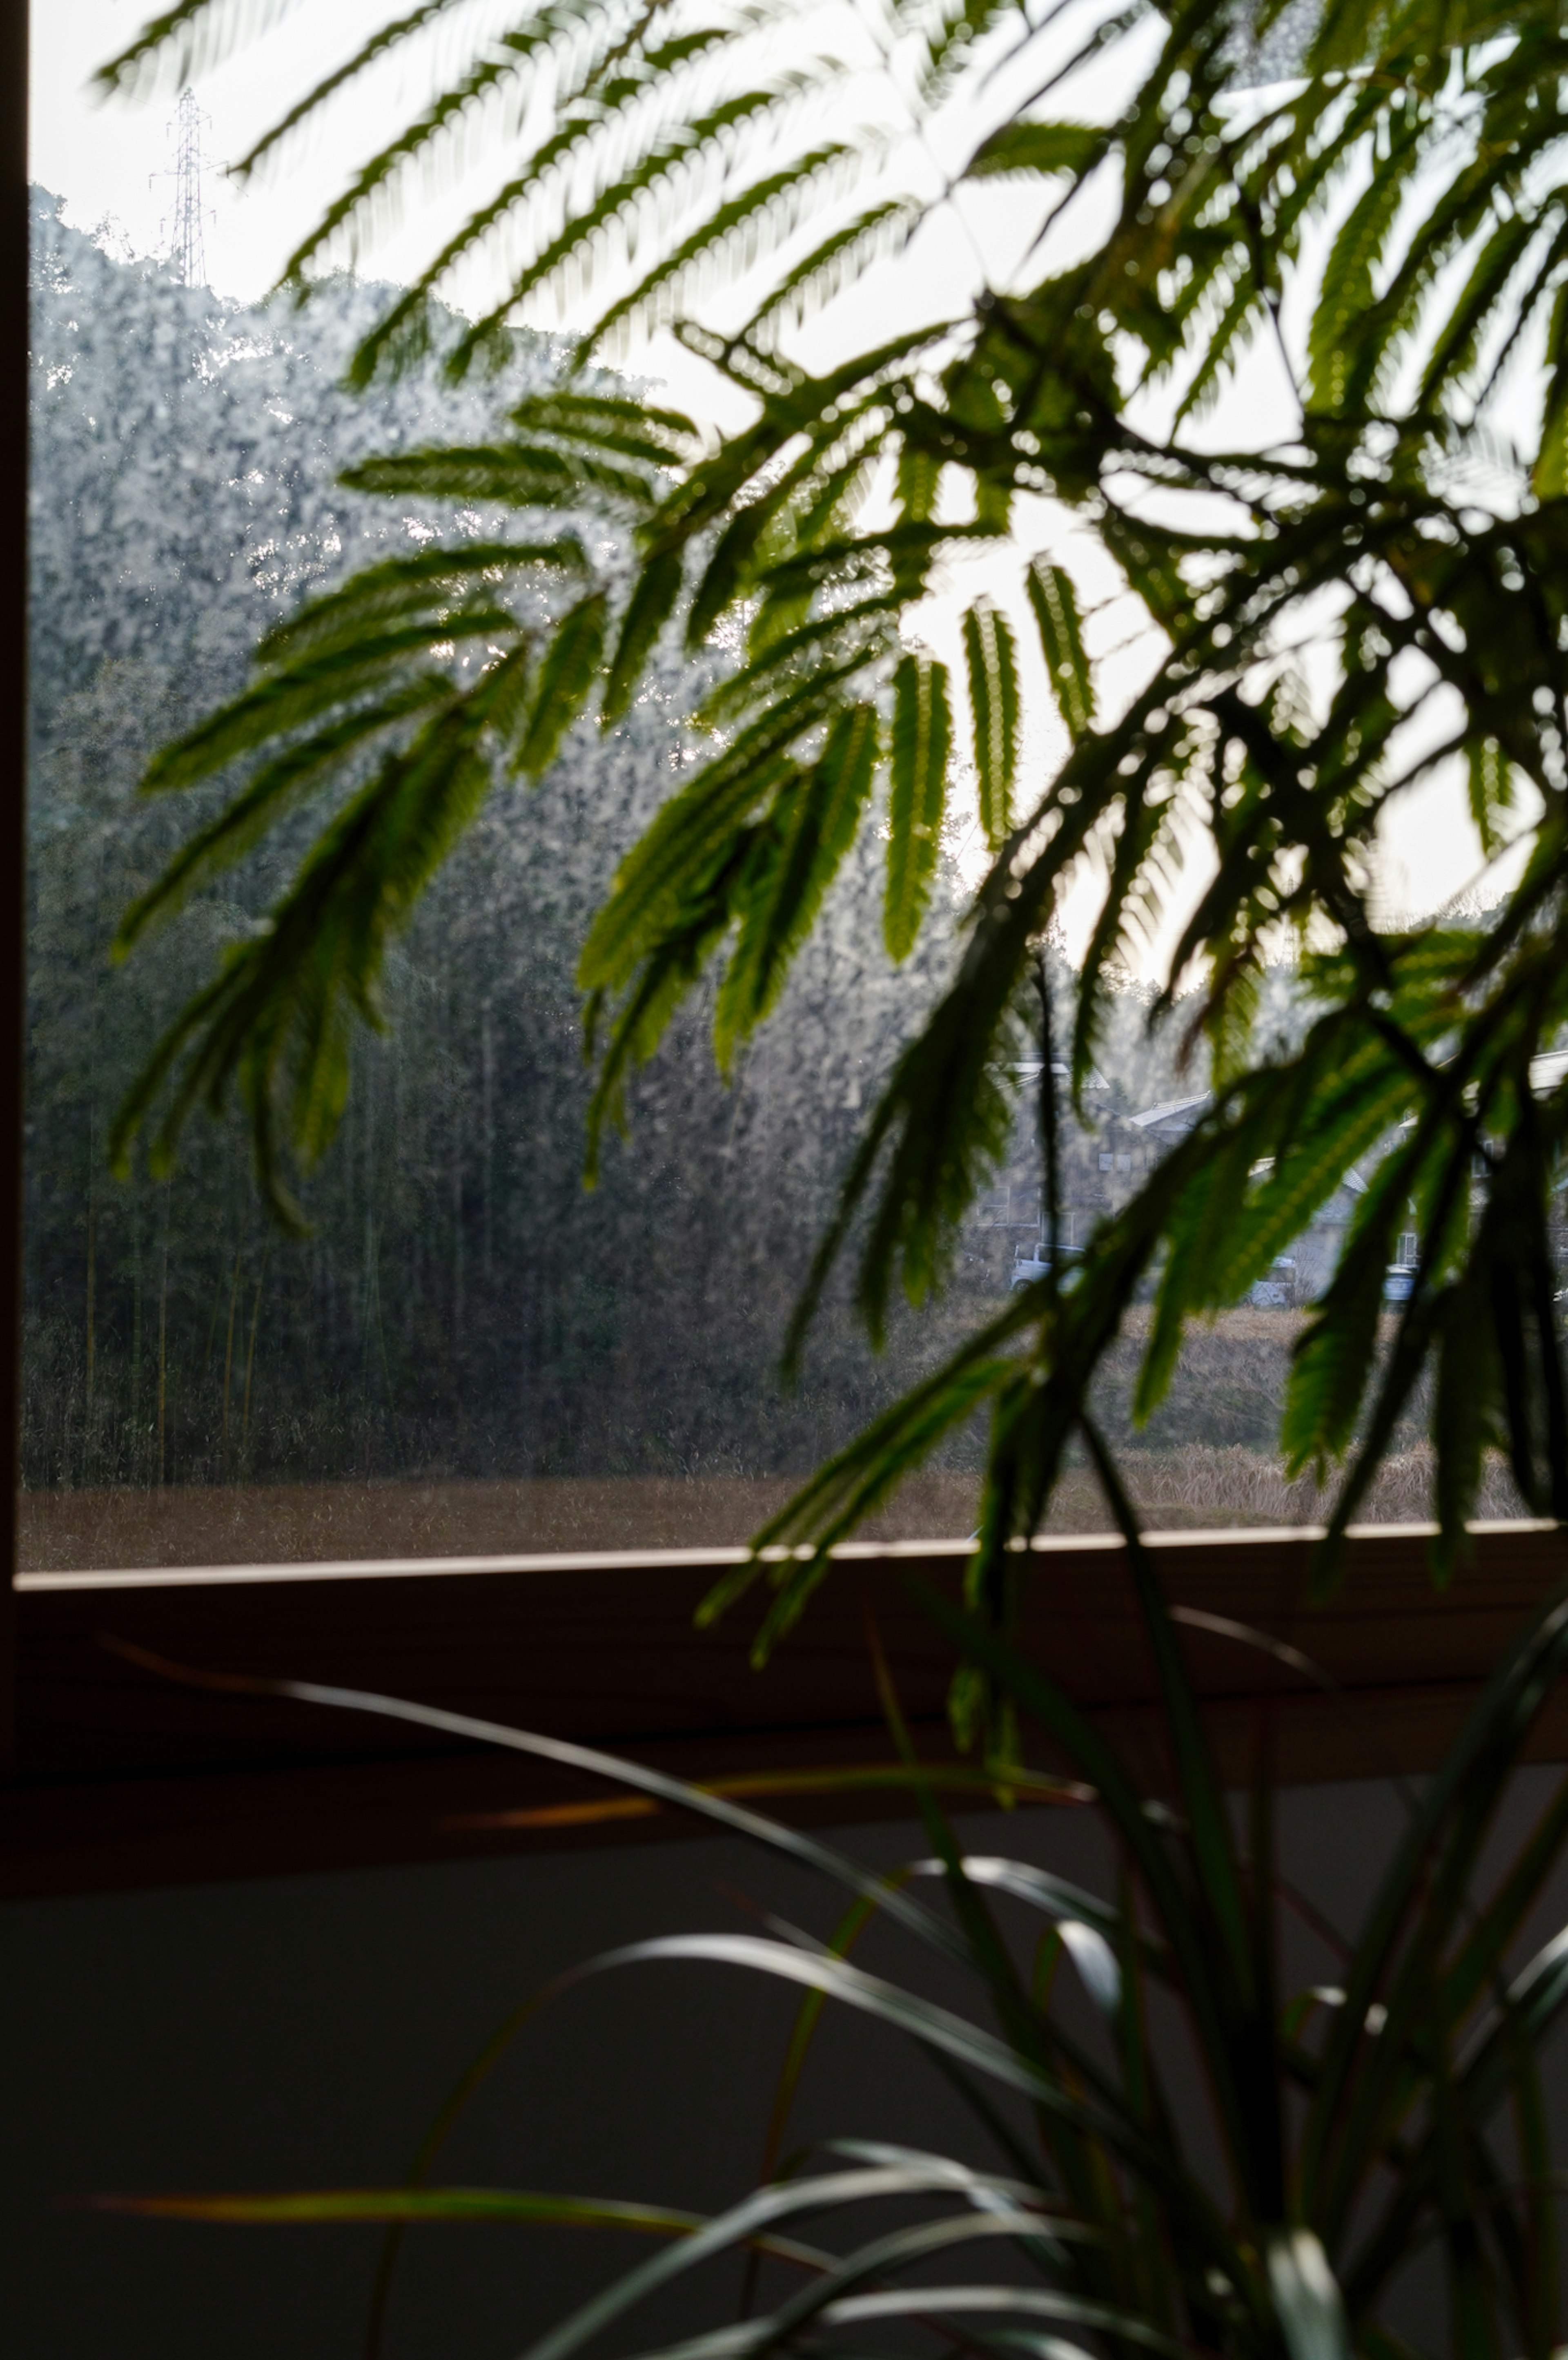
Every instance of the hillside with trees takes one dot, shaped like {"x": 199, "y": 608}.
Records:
{"x": 460, "y": 1309}
{"x": 461, "y": 1306}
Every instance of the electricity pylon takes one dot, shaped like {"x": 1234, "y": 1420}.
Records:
{"x": 183, "y": 241}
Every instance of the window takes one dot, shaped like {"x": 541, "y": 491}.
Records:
{"x": 467, "y": 1361}
{"x": 13, "y": 705}
{"x": 468, "y": 1352}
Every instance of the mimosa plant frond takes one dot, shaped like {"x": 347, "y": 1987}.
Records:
{"x": 1368, "y": 596}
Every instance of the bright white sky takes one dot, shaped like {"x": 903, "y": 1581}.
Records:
{"x": 109, "y": 160}
{"x": 113, "y": 161}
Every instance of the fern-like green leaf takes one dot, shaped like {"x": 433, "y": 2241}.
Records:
{"x": 590, "y": 121}
{"x": 567, "y": 677}
{"x": 275, "y": 788}
{"x": 682, "y": 150}
{"x": 377, "y": 180}
{"x": 750, "y": 223}
{"x": 919, "y": 478}
{"x": 649, "y": 608}
{"x": 1055, "y": 604}
{"x": 433, "y": 583}
{"x": 660, "y": 876}
{"x": 874, "y": 236}
{"x": 817, "y": 826}
{"x": 1493, "y": 799}
{"x": 302, "y": 694}
{"x": 1348, "y": 280}
{"x": 922, "y": 738}
{"x": 1038, "y": 149}
{"x": 1548, "y": 478}
{"x": 605, "y": 421}
{"x": 992, "y": 663}
{"x": 845, "y": 636}
{"x": 513, "y": 475}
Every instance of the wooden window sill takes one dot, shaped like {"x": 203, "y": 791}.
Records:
{"x": 124, "y": 1779}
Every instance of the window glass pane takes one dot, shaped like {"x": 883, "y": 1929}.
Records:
{"x": 467, "y": 1351}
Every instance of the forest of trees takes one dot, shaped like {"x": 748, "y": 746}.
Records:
{"x": 461, "y": 1306}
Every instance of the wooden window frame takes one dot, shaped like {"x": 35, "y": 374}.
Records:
{"x": 126, "y": 1776}
{"x": 13, "y": 807}
{"x": 112, "y": 1776}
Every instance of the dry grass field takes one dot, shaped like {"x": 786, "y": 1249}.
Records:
{"x": 1192, "y": 1488}
{"x": 1206, "y": 1460}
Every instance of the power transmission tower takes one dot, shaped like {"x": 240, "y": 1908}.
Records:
{"x": 182, "y": 236}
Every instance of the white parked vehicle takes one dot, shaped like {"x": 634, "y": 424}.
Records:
{"x": 1278, "y": 1291}
{"x": 1398, "y": 1282}
{"x": 1032, "y": 1261}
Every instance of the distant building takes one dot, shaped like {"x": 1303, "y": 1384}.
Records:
{"x": 1104, "y": 1159}
{"x": 1317, "y": 1251}
{"x": 1173, "y": 1120}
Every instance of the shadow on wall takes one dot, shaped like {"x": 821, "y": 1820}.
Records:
{"x": 301, "y": 2033}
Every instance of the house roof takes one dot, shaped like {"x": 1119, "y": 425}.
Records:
{"x": 1029, "y": 1070}
{"x": 1350, "y": 1178}
{"x": 1155, "y": 1117}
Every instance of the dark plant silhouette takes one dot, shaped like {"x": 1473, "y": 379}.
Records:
{"x": 1333, "y": 614}
{"x": 1357, "y": 2123}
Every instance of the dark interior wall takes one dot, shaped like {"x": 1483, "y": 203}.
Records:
{"x": 302, "y": 2032}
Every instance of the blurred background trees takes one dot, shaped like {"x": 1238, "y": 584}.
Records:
{"x": 461, "y": 1306}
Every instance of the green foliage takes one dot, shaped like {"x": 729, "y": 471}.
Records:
{"x": 1346, "y": 2128}
{"x": 1376, "y": 596}
{"x": 171, "y": 1333}
{"x": 795, "y": 865}
{"x": 1055, "y": 604}
{"x": 993, "y": 703}
{"x": 922, "y": 731}
{"x": 1038, "y": 147}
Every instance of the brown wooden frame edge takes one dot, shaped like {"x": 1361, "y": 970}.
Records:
{"x": 126, "y": 1778}
{"x": 13, "y": 793}
{"x": 118, "y": 1779}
